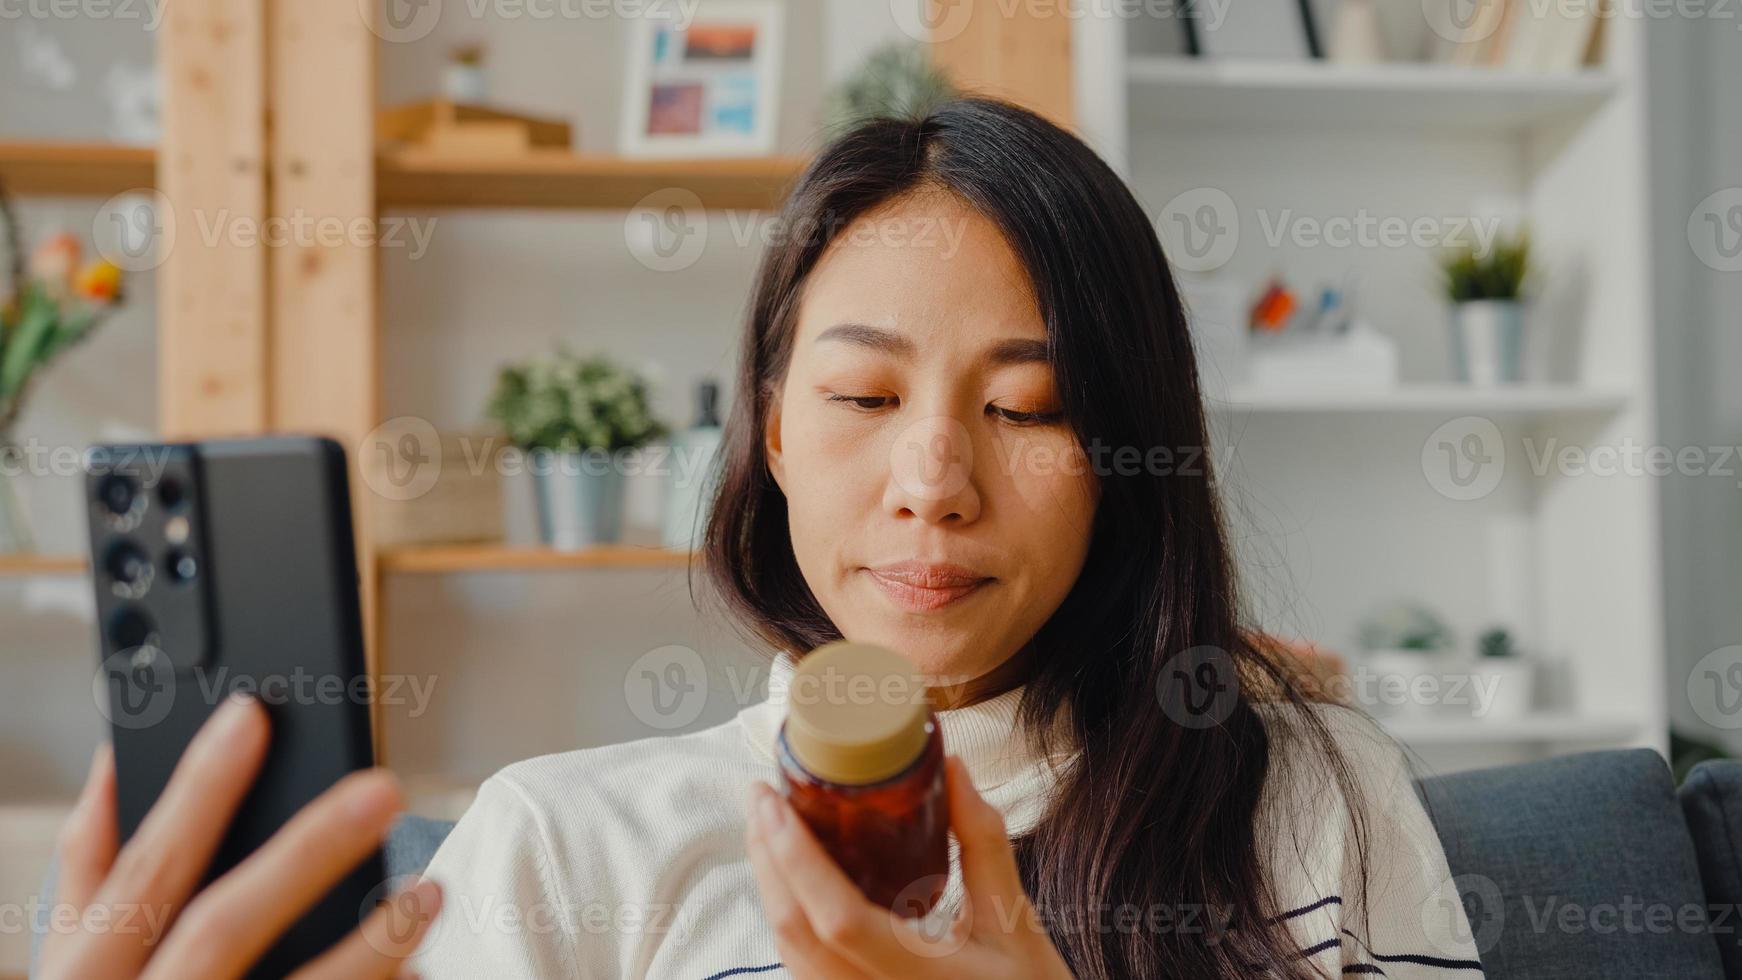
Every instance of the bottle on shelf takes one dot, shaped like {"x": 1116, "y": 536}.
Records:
{"x": 693, "y": 453}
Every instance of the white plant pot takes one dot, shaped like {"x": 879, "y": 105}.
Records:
{"x": 1508, "y": 687}
{"x": 1488, "y": 342}
{"x": 1396, "y": 680}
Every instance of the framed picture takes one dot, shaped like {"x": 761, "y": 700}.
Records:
{"x": 710, "y": 87}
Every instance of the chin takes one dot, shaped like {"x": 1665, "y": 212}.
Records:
{"x": 948, "y": 656}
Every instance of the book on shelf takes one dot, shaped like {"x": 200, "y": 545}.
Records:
{"x": 1522, "y": 35}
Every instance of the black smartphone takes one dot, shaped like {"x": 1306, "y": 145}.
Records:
{"x": 230, "y": 565}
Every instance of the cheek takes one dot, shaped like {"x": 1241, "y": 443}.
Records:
{"x": 832, "y": 477}
{"x": 1051, "y": 482}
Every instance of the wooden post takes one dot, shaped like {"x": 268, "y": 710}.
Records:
{"x": 1020, "y": 52}
{"x": 325, "y": 349}
{"x": 211, "y": 318}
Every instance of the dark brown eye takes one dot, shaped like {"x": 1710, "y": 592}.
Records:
{"x": 1025, "y": 418}
{"x": 862, "y": 401}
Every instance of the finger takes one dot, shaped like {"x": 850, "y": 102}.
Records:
{"x": 800, "y": 950}
{"x": 238, "y": 917}
{"x": 381, "y": 945}
{"x": 164, "y": 860}
{"x": 989, "y": 873}
{"x": 839, "y": 915}
{"x": 89, "y": 839}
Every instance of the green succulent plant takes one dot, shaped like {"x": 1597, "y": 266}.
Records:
{"x": 564, "y": 403}
{"x": 1499, "y": 273}
{"x": 896, "y": 80}
{"x": 1405, "y": 627}
{"x": 1497, "y": 643}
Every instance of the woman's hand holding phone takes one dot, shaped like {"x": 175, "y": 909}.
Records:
{"x": 137, "y": 914}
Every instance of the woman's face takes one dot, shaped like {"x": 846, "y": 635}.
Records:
{"x": 939, "y": 503}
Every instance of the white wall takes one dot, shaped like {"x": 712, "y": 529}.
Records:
{"x": 1697, "y": 149}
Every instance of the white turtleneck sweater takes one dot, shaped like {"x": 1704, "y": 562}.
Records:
{"x": 628, "y": 860}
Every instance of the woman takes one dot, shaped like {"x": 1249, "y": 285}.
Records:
{"x": 969, "y": 429}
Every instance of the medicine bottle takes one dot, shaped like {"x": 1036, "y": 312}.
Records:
{"x": 862, "y": 763}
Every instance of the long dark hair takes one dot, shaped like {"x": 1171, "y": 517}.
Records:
{"x": 1157, "y": 810}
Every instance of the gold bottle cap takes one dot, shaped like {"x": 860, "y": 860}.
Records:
{"x": 856, "y": 713}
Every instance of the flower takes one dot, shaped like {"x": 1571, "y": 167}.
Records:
{"x": 100, "y": 282}
{"x": 54, "y": 262}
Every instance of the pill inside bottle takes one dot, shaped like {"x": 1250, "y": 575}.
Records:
{"x": 862, "y": 763}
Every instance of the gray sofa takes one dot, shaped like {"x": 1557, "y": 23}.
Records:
{"x": 1587, "y": 866}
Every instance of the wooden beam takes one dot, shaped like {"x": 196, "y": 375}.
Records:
{"x": 1020, "y": 52}
{"x": 211, "y": 317}
{"x": 325, "y": 345}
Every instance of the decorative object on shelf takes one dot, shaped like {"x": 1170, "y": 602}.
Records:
{"x": 691, "y": 489}
{"x": 1356, "y": 37}
{"x": 446, "y": 128}
{"x": 1322, "y": 347}
{"x": 574, "y": 416}
{"x": 1403, "y": 643}
{"x": 51, "y": 305}
{"x": 1486, "y": 290}
{"x": 463, "y": 75}
{"x": 709, "y": 89}
{"x": 457, "y": 499}
{"x": 1511, "y": 676}
{"x": 1515, "y": 35}
{"x": 897, "y": 79}
{"x": 1275, "y": 29}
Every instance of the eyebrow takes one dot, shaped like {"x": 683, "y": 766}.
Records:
{"x": 1015, "y": 350}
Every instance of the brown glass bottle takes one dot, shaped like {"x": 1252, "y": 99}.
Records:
{"x": 862, "y": 763}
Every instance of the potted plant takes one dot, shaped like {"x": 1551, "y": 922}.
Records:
{"x": 575, "y": 417}
{"x": 898, "y": 79}
{"x": 1486, "y": 290}
{"x": 1403, "y": 642}
{"x": 1511, "y": 678}
{"x": 46, "y": 308}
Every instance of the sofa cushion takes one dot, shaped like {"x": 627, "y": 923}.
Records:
{"x": 412, "y": 843}
{"x": 1711, "y": 799}
{"x": 1576, "y": 867}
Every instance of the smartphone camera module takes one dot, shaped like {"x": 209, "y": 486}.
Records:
{"x": 122, "y": 503}
{"x": 129, "y": 569}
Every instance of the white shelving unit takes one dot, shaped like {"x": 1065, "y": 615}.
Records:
{"x": 1396, "y": 97}
{"x": 1427, "y": 399}
{"x": 1331, "y": 503}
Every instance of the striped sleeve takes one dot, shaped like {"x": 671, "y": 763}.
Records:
{"x": 1403, "y": 917}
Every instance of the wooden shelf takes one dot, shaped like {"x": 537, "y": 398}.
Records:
{"x": 1424, "y": 399}
{"x": 438, "y": 559}
{"x": 570, "y": 180}
{"x": 87, "y": 169}
{"x": 1398, "y": 96}
{"x": 30, "y": 564}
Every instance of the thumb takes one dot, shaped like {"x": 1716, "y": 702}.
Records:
{"x": 989, "y": 873}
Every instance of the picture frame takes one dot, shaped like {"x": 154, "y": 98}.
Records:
{"x": 710, "y": 87}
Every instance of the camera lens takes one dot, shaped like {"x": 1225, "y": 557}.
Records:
{"x": 117, "y": 492}
{"x": 182, "y": 566}
{"x": 170, "y": 493}
{"x": 128, "y": 566}
{"x": 130, "y": 627}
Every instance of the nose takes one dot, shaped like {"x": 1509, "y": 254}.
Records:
{"x": 931, "y": 473}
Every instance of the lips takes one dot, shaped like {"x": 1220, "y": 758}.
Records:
{"x": 927, "y": 586}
